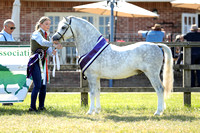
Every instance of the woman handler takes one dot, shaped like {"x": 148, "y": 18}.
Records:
{"x": 41, "y": 45}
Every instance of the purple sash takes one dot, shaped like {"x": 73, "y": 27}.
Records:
{"x": 33, "y": 59}
{"x": 87, "y": 59}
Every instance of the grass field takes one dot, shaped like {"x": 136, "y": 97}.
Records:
{"x": 121, "y": 113}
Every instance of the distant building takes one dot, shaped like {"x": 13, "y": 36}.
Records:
{"x": 173, "y": 20}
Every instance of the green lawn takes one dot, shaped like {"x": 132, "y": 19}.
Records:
{"x": 121, "y": 113}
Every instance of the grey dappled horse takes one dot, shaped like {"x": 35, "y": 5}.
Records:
{"x": 118, "y": 62}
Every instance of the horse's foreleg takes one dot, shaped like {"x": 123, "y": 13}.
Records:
{"x": 92, "y": 100}
{"x": 92, "y": 87}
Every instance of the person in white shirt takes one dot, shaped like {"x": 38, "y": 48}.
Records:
{"x": 41, "y": 45}
{"x": 8, "y": 28}
{"x": 6, "y": 35}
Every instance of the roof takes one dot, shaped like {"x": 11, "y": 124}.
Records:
{"x": 101, "y": 0}
{"x": 149, "y": 0}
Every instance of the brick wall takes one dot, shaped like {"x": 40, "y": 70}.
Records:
{"x": 169, "y": 18}
{"x": 65, "y": 79}
{"x": 5, "y": 10}
{"x": 72, "y": 79}
{"x": 31, "y": 11}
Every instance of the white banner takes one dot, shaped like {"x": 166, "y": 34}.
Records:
{"x": 13, "y": 64}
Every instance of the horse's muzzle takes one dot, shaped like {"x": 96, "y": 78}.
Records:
{"x": 55, "y": 38}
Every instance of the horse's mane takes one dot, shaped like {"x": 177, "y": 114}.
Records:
{"x": 84, "y": 22}
{"x": 78, "y": 18}
{"x": 4, "y": 72}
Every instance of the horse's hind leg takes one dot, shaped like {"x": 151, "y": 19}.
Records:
{"x": 157, "y": 85}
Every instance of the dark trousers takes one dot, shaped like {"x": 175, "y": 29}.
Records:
{"x": 180, "y": 58}
{"x": 38, "y": 87}
{"x": 195, "y": 73}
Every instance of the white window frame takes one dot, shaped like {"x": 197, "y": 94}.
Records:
{"x": 77, "y": 14}
{"x": 190, "y": 18}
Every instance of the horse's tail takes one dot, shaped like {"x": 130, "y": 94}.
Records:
{"x": 168, "y": 76}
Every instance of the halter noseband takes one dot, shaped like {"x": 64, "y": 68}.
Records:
{"x": 69, "y": 26}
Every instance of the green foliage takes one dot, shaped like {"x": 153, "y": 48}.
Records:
{"x": 121, "y": 112}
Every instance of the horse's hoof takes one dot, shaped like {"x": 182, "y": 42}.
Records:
{"x": 89, "y": 113}
{"x": 97, "y": 111}
{"x": 158, "y": 113}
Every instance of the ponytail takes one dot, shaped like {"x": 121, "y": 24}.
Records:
{"x": 37, "y": 26}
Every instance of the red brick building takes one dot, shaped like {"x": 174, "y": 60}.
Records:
{"x": 173, "y": 20}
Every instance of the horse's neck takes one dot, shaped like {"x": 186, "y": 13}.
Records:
{"x": 85, "y": 37}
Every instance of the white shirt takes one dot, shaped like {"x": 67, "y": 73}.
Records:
{"x": 37, "y": 36}
{"x": 8, "y": 37}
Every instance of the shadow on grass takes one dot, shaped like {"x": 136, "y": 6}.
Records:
{"x": 77, "y": 113}
{"x": 15, "y": 111}
{"x": 49, "y": 112}
{"x": 12, "y": 111}
{"x": 116, "y": 118}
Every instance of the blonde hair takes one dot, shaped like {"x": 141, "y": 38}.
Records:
{"x": 41, "y": 21}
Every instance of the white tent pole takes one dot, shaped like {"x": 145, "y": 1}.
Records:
{"x": 16, "y": 18}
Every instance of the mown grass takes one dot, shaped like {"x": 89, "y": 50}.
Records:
{"x": 121, "y": 113}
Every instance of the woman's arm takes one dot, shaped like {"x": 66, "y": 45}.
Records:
{"x": 39, "y": 39}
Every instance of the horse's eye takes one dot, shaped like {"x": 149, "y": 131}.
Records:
{"x": 63, "y": 27}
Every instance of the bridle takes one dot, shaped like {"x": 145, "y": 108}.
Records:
{"x": 69, "y": 26}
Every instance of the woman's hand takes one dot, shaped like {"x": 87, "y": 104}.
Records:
{"x": 54, "y": 52}
{"x": 57, "y": 46}
{"x": 55, "y": 42}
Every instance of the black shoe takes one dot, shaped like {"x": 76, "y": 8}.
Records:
{"x": 42, "y": 109}
{"x": 7, "y": 104}
{"x": 32, "y": 110}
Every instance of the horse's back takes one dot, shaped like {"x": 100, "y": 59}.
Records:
{"x": 144, "y": 50}
{"x": 121, "y": 62}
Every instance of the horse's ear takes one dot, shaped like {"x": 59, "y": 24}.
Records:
{"x": 67, "y": 19}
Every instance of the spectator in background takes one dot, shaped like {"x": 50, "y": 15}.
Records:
{"x": 6, "y": 35}
{"x": 180, "y": 57}
{"x": 194, "y": 36}
{"x": 8, "y": 28}
{"x": 175, "y": 50}
{"x": 156, "y": 34}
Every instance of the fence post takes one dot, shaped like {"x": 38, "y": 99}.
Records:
{"x": 84, "y": 95}
{"x": 187, "y": 75}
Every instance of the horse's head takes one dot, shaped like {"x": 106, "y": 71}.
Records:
{"x": 64, "y": 30}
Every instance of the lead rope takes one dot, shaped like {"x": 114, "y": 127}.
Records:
{"x": 56, "y": 63}
{"x": 41, "y": 68}
{"x": 45, "y": 73}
